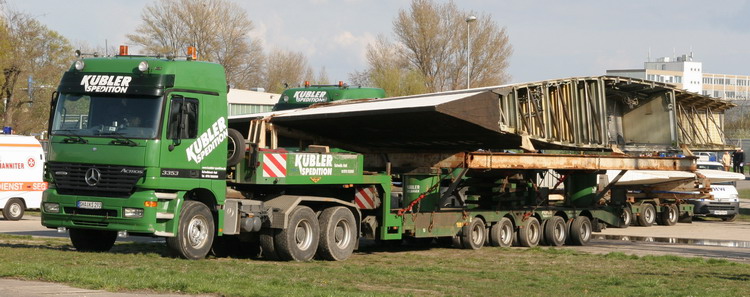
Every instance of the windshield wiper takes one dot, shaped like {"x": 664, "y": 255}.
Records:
{"x": 71, "y": 137}
{"x": 119, "y": 138}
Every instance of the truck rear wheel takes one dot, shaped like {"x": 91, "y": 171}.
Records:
{"x": 267, "y": 247}
{"x": 647, "y": 216}
{"x": 501, "y": 234}
{"x": 580, "y": 230}
{"x": 338, "y": 234}
{"x": 299, "y": 241}
{"x": 669, "y": 216}
{"x": 13, "y": 210}
{"x": 472, "y": 235}
{"x": 195, "y": 233}
{"x": 555, "y": 231}
{"x": 236, "y": 149}
{"x": 85, "y": 240}
{"x": 530, "y": 233}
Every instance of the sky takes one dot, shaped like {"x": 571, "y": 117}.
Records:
{"x": 550, "y": 39}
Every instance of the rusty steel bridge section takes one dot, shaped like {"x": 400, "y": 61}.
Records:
{"x": 581, "y": 113}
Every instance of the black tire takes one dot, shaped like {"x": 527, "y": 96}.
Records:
{"x": 472, "y": 235}
{"x": 530, "y": 233}
{"x": 647, "y": 216}
{"x": 626, "y": 216}
{"x": 729, "y": 218}
{"x": 236, "y": 149}
{"x": 299, "y": 241}
{"x": 669, "y": 216}
{"x": 267, "y": 247}
{"x": 580, "y": 231}
{"x": 501, "y": 233}
{"x": 85, "y": 240}
{"x": 14, "y": 209}
{"x": 338, "y": 234}
{"x": 555, "y": 231}
{"x": 195, "y": 233}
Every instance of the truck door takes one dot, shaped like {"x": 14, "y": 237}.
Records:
{"x": 178, "y": 155}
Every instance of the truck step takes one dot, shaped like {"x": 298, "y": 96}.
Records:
{"x": 164, "y": 216}
{"x": 164, "y": 234}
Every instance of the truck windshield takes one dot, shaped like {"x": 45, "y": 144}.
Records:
{"x": 104, "y": 116}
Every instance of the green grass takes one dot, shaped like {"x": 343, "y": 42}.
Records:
{"x": 376, "y": 272}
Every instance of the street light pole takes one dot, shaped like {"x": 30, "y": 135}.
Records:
{"x": 468, "y": 50}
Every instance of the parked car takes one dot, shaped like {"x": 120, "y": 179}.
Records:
{"x": 726, "y": 202}
{"x": 707, "y": 157}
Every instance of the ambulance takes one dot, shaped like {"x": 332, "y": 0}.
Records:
{"x": 21, "y": 175}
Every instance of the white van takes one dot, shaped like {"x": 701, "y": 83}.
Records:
{"x": 21, "y": 175}
{"x": 726, "y": 202}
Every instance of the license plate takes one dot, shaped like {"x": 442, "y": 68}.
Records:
{"x": 720, "y": 212}
{"x": 90, "y": 204}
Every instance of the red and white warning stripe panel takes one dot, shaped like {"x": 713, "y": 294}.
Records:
{"x": 274, "y": 165}
{"x": 367, "y": 197}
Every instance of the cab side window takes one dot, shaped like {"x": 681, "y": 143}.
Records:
{"x": 183, "y": 118}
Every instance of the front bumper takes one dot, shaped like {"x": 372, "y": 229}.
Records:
{"x": 110, "y": 216}
{"x": 715, "y": 208}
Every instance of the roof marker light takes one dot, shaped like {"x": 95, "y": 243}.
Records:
{"x": 123, "y": 50}
{"x": 79, "y": 65}
{"x": 143, "y": 66}
{"x": 192, "y": 54}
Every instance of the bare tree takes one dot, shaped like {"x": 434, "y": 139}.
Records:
{"x": 391, "y": 71}
{"x": 285, "y": 68}
{"x": 217, "y": 28}
{"x": 432, "y": 40}
{"x": 38, "y": 56}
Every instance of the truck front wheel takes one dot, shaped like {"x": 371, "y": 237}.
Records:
{"x": 195, "y": 233}
{"x": 338, "y": 234}
{"x": 299, "y": 241}
{"x": 13, "y": 210}
{"x": 85, "y": 240}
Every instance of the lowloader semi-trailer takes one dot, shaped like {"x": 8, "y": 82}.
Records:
{"x": 143, "y": 146}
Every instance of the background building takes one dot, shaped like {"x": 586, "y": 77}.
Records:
{"x": 688, "y": 74}
{"x": 248, "y": 102}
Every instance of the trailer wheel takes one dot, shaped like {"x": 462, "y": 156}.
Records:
{"x": 195, "y": 233}
{"x": 555, "y": 231}
{"x": 530, "y": 234}
{"x": 85, "y": 240}
{"x": 501, "y": 234}
{"x": 267, "y": 247}
{"x": 299, "y": 241}
{"x": 669, "y": 216}
{"x": 626, "y": 216}
{"x": 647, "y": 215}
{"x": 338, "y": 234}
{"x": 580, "y": 230}
{"x": 236, "y": 148}
{"x": 472, "y": 235}
{"x": 13, "y": 210}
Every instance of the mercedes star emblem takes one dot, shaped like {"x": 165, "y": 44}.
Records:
{"x": 92, "y": 176}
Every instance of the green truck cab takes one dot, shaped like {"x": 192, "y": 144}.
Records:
{"x": 130, "y": 137}
{"x": 315, "y": 94}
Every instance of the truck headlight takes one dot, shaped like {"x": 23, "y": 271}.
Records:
{"x": 132, "y": 212}
{"x": 50, "y": 207}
